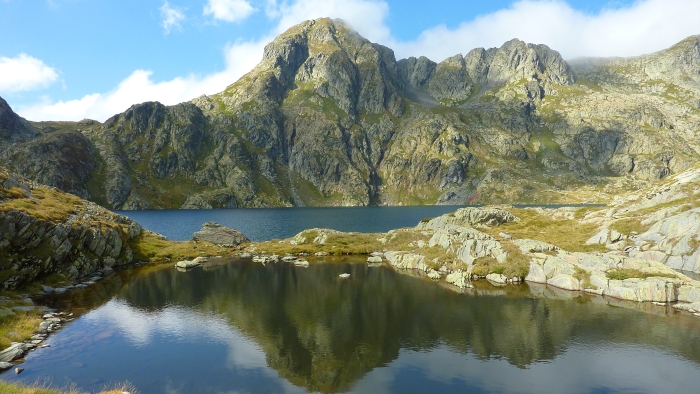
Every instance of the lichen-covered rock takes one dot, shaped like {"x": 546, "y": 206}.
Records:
{"x": 220, "y": 235}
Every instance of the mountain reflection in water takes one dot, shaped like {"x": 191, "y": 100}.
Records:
{"x": 250, "y": 328}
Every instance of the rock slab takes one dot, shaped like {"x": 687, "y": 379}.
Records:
{"x": 219, "y": 235}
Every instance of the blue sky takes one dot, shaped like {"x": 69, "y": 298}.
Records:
{"x": 71, "y": 59}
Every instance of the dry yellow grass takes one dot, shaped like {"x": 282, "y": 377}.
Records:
{"x": 567, "y": 234}
{"x": 336, "y": 244}
{"x": 37, "y": 388}
{"x": 46, "y": 204}
{"x": 18, "y": 328}
{"x": 150, "y": 247}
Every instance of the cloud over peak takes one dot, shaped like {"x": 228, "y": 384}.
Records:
{"x": 23, "y": 73}
{"x": 229, "y": 10}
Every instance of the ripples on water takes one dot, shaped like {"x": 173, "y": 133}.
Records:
{"x": 243, "y": 327}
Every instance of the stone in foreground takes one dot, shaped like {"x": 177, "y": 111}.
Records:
{"x": 219, "y": 235}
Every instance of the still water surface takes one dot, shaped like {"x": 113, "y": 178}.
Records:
{"x": 244, "y": 327}
{"x": 262, "y": 224}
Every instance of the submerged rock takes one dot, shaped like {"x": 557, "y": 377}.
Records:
{"x": 344, "y": 276}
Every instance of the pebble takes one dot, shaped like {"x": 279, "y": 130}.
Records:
{"x": 19, "y": 370}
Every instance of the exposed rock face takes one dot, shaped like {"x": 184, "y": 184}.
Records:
{"x": 44, "y": 231}
{"x": 329, "y": 118}
{"x": 220, "y": 235}
{"x": 13, "y": 128}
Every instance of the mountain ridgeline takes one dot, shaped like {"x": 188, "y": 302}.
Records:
{"x": 329, "y": 118}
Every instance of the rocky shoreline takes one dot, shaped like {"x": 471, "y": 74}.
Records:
{"x": 592, "y": 251}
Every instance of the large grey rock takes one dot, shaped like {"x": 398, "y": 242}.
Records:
{"x": 13, "y": 352}
{"x": 220, "y": 235}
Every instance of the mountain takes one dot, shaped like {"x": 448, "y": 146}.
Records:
{"x": 329, "y": 118}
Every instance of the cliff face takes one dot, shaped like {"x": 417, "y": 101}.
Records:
{"x": 329, "y": 118}
{"x": 44, "y": 231}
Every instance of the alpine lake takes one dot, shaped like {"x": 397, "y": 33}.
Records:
{"x": 234, "y": 326}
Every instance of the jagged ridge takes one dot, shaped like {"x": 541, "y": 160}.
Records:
{"x": 329, "y": 118}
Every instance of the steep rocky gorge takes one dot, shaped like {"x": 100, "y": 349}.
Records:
{"x": 329, "y": 118}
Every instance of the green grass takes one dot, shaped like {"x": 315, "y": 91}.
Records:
{"x": 627, "y": 273}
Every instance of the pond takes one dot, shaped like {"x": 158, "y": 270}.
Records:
{"x": 237, "y": 326}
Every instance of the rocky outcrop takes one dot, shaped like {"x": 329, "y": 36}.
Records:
{"x": 330, "y": 118}
{"x": 219, "y": 235}
{"x": 14, "y": 128}
{"x": 44, "y": 231}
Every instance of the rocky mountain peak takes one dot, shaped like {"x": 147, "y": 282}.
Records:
{"x": 14, "y": 128}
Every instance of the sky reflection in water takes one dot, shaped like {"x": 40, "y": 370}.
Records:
{"x": 243, "y": 327}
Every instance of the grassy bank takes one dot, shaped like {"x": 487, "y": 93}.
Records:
{"x": 12, "y": 388}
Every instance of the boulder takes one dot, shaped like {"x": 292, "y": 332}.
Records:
{"x": 459, "y": 279}
{"x": 185, "y": 264}
{"x": 406, "y": 260}
{"x": 13, "y": 352}
{"x": 497, "y": 278}
{"x": 374, "y": 259}
{"x": 432, "y": 274}
{"x": 219, "y": 235}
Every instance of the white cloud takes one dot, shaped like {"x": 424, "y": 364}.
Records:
{"x": 365, "y": 16}
{"x": 140, "y": 87}
{"x": 24, "y": 73}
{"x": 229, "y": 10}
{"x": 643, "y": 27}
{"x": 171, "y": 17}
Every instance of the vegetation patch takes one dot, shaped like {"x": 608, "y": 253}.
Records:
{"x": 18, "y": 328}
{"x": 629, "y": 225}
{"x": 627, "y": 273}
{"x": 150, "y": 247}
{"x": 567, "y": 234}
{"x": 45, "y": 204}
